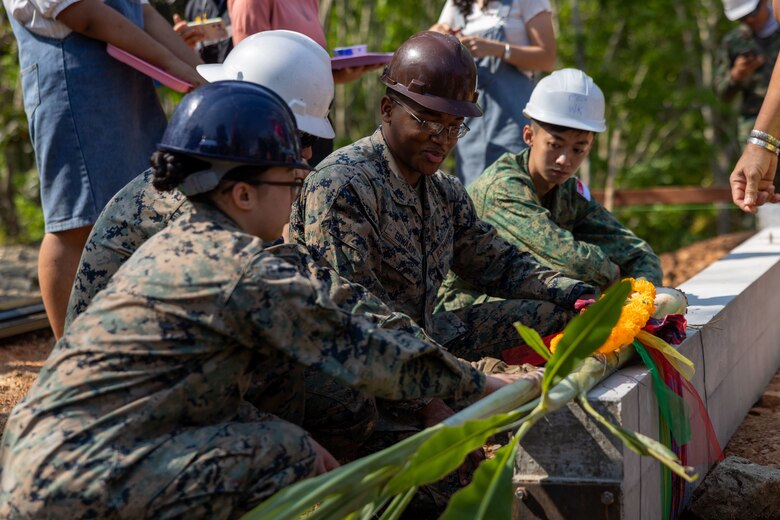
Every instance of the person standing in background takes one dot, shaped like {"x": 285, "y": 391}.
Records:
{"x": 510, "y": 40}
{"x": 746, "y": 59}
{"x": 252, "y": 16}
{"x": 93, "y": 121}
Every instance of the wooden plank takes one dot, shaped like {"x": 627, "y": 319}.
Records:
{"x": 25, "y": 324}
{"x": 668, "y": 195}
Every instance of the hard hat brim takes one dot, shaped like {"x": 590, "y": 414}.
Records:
{"x": 743, "y": 10}
{"x": 452, "y": 107}
{"x": 319, "y": 126}
{"x": 593, "y": 126}
{"x": 212, "y": 72}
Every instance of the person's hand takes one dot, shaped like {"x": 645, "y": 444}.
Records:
{"x": 481, "y": 47}
{"x": 435, "y": 412}
{"x": 751, "y": 180}
{"x": 324, "y": 461}
{"x": 190, "y": 35}
{"x": 442, "y": 28}
{"x": 745, "y": 65}
{"x": 349, "y": 74}
{"x": 495, "y": 381}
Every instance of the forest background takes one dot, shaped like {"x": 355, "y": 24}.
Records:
{"x": 655, "y": 61}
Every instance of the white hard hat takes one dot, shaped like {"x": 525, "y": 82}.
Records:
{"x": 292, "y": 65}
{"x": 736, "y": 9}
{"x": 570, "y": 98}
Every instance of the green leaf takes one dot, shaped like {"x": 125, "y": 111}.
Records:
{"x": 300, "y": 497}
{"x": 399, "y": 503}
{"x": 489, "y": 496}
{"x": 446, "y": 449}
{"x": 586, "y": 333}
{"x": 533, "y": 340}
{"x": 639, "y": 443}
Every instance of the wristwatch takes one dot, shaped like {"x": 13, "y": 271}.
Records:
{"x": 507, "y": 52}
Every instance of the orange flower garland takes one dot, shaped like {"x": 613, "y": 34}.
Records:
{"x": 637, "y": 310}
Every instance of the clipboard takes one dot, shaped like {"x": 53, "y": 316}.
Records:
{"x": 369, "y": 58}
{"x": 147, "y": 68}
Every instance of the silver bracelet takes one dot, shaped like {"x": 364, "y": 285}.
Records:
{"x": 507, "y": 52}
{"x": 765, "y": 145}
{"x": 758, "y": 134}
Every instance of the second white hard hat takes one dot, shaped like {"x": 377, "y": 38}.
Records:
{"x": 736, "y": 9}
{"x": 570, "y": 98}
{"x": 292, "y": 65}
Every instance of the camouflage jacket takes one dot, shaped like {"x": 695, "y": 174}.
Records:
{"x": 359, "y": 215}
{"x": 175, "y": 337}
{"x": 564, "y": 230}
{"x": 742, "y": 40}
{"x": 131, "y": 217}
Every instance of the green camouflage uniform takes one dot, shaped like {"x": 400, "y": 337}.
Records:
{"x": 566, "y": 230}
{"x": 742, "y": 40}
{"x": 139, "y": 410}
{"x": 133, "y": 215}
{"x": 357, "y": 214}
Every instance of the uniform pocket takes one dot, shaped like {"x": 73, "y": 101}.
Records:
{"x": 30, "y": 90}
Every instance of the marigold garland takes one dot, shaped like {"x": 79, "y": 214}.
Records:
{"x": 637, "y": 310}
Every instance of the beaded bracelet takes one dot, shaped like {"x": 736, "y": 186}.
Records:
{"x": 763, "y": 144}
{"x": 758, "y": 134}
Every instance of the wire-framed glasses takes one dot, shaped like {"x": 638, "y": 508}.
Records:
{"x": 433, "y": 128}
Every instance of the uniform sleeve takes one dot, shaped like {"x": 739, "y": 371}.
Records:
{"x": 513, "y": 209}
{"x": 339, "y": 229}
{"x": 291, "y": 311}
{"x": 493, "y": 265}
{"x": 248, "y": 17}
{"x": 619, "y": 244}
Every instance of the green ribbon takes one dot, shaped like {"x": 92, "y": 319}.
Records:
{"x": 671, "y": 406}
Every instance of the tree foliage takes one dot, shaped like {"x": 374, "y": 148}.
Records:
{"x": 654, "y": 60}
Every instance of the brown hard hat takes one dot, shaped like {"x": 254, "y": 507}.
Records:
{"x": 436, "y": 71}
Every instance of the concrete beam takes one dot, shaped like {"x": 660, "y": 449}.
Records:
{"x": 569, "y": 467}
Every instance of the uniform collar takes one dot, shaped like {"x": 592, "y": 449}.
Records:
{"x": 208, "y": 213}
{"x": 401, "y": 191}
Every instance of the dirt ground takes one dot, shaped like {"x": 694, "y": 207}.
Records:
{"x": 758, "y": 439}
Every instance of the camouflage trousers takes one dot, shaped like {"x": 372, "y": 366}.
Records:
{"x": 487, "y": 328}
{"x": 216, "y": 472}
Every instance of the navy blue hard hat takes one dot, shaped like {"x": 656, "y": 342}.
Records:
{"x": 235, "y": 121}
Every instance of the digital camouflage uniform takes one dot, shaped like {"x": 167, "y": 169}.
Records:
{"x": 139, "y": 410}
{"x": 742, "y": 40}
{"x": 357, "y": 214}
{"x": 133, "y": 215}
{"x": 566, "y": 230}
{"x": 341, "y": 417}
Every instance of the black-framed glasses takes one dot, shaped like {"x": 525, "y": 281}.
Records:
{"x": 433, "y": 128}
{"x": 307, "y": 139}
{"x": 295, "y": 185}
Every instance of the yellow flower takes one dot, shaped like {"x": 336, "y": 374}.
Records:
{"x": 634, "y": 315}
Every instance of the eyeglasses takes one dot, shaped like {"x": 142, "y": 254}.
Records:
{"x": 433, "y": 128}
{"x": 295, "y": 185}
{"x": 306, "y": 139}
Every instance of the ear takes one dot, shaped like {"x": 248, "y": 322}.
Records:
{"x": 528, "y": 135}
{"x": 243, "y": 196}
{"x": 386, "y": 109}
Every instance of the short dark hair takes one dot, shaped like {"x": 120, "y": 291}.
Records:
{"x": 558, "y": 128}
